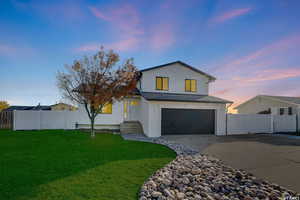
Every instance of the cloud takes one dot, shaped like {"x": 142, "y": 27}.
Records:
{"x": 162, "y": 38}
{"x": 271, "y": 74}
{"x": 125, "y": 22}
{"x": 128, "y": 27}
{"x": 262, "y": 71}
{"x": 125, "y": 18}
{"x": 266, "y": 56}
{"x": 231, "y": 14}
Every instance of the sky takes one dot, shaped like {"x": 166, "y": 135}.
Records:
{"x": 252, "y": 47}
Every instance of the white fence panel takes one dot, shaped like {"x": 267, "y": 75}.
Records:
{"x": 36, "y": 120}
{"x": 26, "y": 120}
{"x": 72, "y": 118}
{"x": 248, "y": 123}
{"x": 284, "y": 123}
{"x": 52, "y": 119}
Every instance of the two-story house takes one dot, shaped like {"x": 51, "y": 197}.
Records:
{"x": 170, "y": 99}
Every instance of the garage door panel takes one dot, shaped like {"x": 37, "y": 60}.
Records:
{"x": 187, "y": 121}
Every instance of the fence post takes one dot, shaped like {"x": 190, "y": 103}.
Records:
{"x": 297, "y": 123}
{"x": 272, "y": 124}
{"x": 40, "y": 119}
{"x": 14, "y": 120}
{"x": 65, "y": 119}
{"x": 226, "y": 126}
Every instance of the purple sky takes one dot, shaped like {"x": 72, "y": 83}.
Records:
{"x": 252, "y": 47}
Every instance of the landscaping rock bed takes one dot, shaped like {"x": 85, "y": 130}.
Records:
{"x": 203, "y": 177}
{"x": 180, "y": 149}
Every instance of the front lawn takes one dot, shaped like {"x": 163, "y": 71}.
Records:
{"x": 69, "y": 165}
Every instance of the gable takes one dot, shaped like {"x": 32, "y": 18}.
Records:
{"x": 264, "y": 100}
{"x": 176, "y": 74}
{"x": 184, "y": 66}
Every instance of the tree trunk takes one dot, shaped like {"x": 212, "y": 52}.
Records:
{"x": 92, "y": 128}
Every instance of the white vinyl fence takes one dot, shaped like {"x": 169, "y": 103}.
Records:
{"x": 248, "y": 123}
{"x": 258, "y": 123}
{"x": 236, "y": 123}
{"x": 36, "y": 120}
{"x": 284, "y": 123}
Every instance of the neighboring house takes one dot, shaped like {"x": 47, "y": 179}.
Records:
{"x": 38, "y": 107}
{"x": 59, "y": 106}
{"x": 170, "y": 99}
{"x": 276, "y": 105}
{"x": 63, "y": 106}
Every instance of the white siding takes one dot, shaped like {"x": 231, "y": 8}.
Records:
{"x": 104, "y": 119}
{"x": 153, "y": 123}
{"x": 177, "y": 74}
{"x": 145, "y": 118}
{"x": 133, "y": 111}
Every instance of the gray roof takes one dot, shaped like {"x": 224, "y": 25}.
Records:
{"x": 295, "y": 100}
{"x": 11, "y": 108}
{"x": 39, "y": 107}
{"x": 157, "y": 96}
{"x": 184, "y": 64}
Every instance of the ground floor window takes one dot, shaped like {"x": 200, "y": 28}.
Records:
{"x": 107, "y": 109}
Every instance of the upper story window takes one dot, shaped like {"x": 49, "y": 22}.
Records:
{"x": 106, "y": 109}
{"x": 162, "y": 83}
{"x": 190, "y": 85}
{"x": 290, "y": 110}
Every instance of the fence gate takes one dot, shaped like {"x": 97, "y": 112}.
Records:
{"x": 6, "y": 120}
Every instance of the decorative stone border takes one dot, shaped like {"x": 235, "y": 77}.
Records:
{"x": 192, "y": 176}
{"x": 202, "y": 177}
{"x": 180, "y": 149}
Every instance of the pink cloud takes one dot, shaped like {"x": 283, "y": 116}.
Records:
{"x": 271, "y": 74}
{"x": 163, "y": 37}
{"x": 127, "y": 27}
{"x": 125, "y": 23}
{"x": 263, "y": 57}
{"x": 125, "y": 18}
{"x": 239, "y": 89}
{"x": 231, "y": 15}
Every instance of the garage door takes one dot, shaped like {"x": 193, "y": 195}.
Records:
{"x": 187, "y": 121}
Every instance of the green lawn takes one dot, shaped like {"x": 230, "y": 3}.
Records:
{"x": 69, "y": 165}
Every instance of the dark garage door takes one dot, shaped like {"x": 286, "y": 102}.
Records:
{"x": 187, "y": 121}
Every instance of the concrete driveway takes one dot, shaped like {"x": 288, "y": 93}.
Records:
{"x": 273, "y": 158}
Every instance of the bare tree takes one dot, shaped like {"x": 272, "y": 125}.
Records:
{"x": 97, "y": 80}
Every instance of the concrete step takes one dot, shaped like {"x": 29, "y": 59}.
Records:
{"x": 134, "y": 127}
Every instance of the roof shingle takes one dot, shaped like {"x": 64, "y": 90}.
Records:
{"x": 156, "y": 96}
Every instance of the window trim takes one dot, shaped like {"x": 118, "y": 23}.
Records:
{"x": 190, "y": 85}
{"x": 162, "y": 83}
